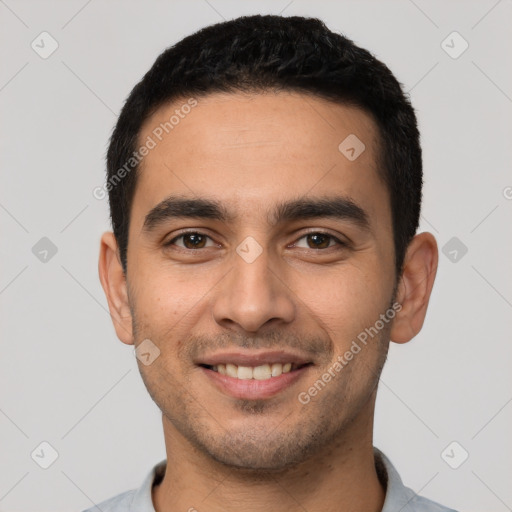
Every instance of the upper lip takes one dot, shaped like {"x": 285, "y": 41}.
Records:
{"x": 250, "y": 358}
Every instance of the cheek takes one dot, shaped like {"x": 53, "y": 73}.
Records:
{"x": 345, "y": 302}
{"x": 167, "y": 302}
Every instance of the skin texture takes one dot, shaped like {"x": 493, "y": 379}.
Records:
{"x": 250, "y": 152}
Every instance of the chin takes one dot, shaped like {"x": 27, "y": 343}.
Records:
{"x": 261, "y": 450}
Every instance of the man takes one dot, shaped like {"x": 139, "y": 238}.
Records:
{"x": 265, "y": 182}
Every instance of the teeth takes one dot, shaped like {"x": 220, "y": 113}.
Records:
{"x": 245, "y": 372}
{"x": 277, "y": 369}
{"x": 263, "y": 372}
{"x": 232, "y": 370}
{"x": 260, "y": 372}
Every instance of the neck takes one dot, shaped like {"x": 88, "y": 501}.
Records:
{"x": 341, "y": 477}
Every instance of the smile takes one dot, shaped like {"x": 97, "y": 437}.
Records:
{"x": 254, "y": 383}
{"x": 261, "y": 372}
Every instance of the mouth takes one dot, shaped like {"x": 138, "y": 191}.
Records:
{"x": 262, "y": 372}
{"x": 254, "y": 376}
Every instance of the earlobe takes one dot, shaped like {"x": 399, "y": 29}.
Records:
{"x": 114, "y": 285}
{"x": 415, "y": 287}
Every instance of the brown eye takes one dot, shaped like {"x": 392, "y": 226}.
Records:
{"x": 190, "y": 240}
{"x": 319, "y": 241}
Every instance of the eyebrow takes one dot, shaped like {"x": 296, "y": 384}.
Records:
{"x": 337, "y": 207}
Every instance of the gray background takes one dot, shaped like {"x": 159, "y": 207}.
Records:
{"x": 67, "y": 380}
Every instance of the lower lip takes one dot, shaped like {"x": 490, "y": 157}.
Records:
{"x": 253, "y": 389}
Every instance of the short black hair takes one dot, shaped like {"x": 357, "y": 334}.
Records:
{"x": 275, "y": 53}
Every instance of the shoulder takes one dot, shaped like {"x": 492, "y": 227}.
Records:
{"x": 136, "y": 500}
{"x": 421, "y": 504}
{"x": 398, "y": 496}
{"x": 121, "y": 502}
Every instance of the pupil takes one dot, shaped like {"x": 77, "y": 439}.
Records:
{"x": 194, "y": 238}
{"x": 318, "y": 237}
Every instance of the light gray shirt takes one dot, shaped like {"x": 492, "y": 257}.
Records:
{"x": 398, "y": 497}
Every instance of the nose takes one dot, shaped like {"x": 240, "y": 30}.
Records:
{"x": 253, "y": 295}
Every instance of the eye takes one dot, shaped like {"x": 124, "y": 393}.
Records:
{"x": 191, "y": 240}
{"x": 320, "y": 240}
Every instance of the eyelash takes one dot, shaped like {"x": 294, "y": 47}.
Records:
{"x": 340, "y": 243}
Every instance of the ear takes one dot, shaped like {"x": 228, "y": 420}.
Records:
{"x": 113, "y": 282}
{"x": 415, "y": 287}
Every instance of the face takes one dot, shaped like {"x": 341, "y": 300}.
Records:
{"x": 273, "y": 256}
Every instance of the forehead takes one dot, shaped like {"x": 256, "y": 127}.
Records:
{"x": 250, "y": 151}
